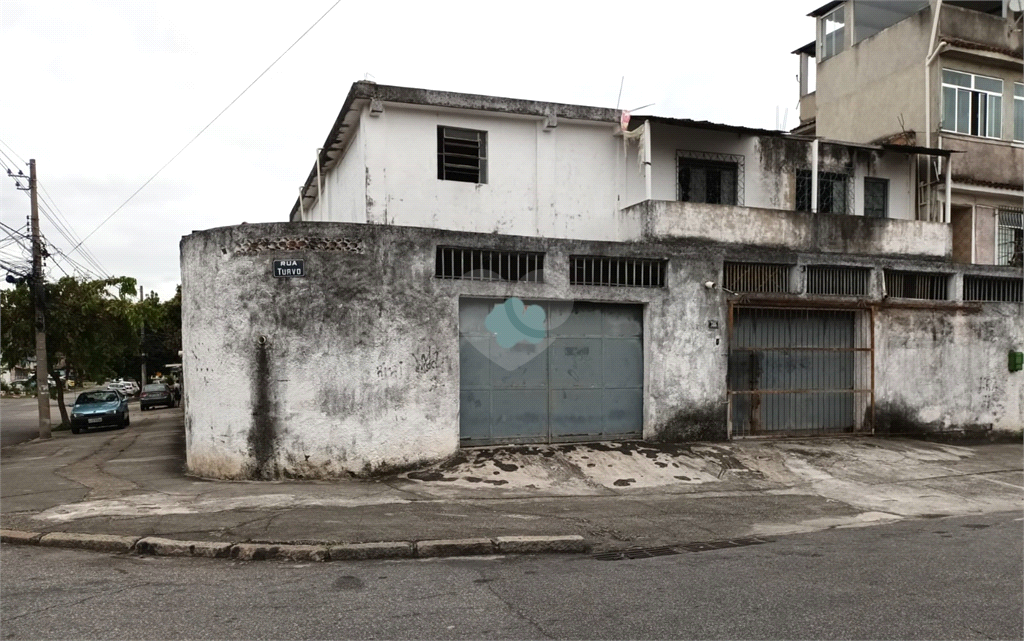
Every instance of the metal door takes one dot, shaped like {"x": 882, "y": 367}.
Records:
{"x": 583, "y": 381}
{"x": 799, "y": 371}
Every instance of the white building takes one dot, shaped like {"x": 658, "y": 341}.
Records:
{"x": 464, "y": 270}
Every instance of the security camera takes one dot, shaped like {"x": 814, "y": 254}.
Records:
{"x": 709, "y": 284}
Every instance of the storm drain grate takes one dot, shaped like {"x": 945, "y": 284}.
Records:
{"x": 667, "y": 550}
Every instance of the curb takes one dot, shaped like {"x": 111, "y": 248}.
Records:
{"x": 256, "y": 551}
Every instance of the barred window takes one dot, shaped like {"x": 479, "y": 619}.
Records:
{"x": 617, "y": 272}
{"x": 1010, "y": 238}
{"x": 461, "y": 155}
{"x": 833, "y": 192}
{"x": 993, "y": 288}
{"x": 707, "y": 181}
{"x": 921, "y": 285}
{"x": 836, "y": 280}
{"x": 762, "y": 278}
{"x": 485, "y": 264}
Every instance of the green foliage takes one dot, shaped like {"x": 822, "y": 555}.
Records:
{"x": 92, "y": 327}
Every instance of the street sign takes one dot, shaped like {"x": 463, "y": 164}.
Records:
{"x": 289, "y": 269}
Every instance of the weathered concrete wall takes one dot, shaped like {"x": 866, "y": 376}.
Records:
{"x": 797, "y": 231}
{"x": 995, "y": 161}
{"x": 943, "y": 369}
{"x": 317, "y": 376}
{"x": 355, "y": 367}
{"x": 978, "y": 27}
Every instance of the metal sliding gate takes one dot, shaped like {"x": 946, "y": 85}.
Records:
{"x": 800, "y": 371}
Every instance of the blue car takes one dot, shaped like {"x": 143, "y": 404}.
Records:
{"x": 99, "y": 409}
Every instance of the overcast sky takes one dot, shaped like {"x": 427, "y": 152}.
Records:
{"x": 102, "y": 94}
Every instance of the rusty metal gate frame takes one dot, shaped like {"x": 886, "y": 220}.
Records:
{"x": 734, "y": 305}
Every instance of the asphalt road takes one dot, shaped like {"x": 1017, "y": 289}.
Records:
{"x": 19, "y": 417}
{"x": 950, "y": 578}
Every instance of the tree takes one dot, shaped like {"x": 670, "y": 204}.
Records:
{"x": 91, "y": 325}
{"x": 163, "y": 331}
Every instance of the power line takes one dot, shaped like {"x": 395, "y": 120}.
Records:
{"x": 194, "y": 138}
{"x": 72, "y": 235}
{"x": 13, "y": 152}
{"x": 63, "y": 228}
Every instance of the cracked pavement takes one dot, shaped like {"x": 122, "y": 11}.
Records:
{"x": 132, "y": 482}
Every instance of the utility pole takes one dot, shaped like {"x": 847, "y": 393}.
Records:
{"x": 142, "y": 383}
{"x": 39, "y": 295}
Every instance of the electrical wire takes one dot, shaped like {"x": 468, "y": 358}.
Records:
{"x": 51, "y": 213}
{"x": 201, "y": 131}
{"x": 70, "y": 235}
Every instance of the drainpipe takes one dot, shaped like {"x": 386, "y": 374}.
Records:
{"x": 814, "y": 176}
{"x": 647, "y": 158}
{"x": 320, "y": 186}
{"x": 932, "y": 52}
{"x": 947, "y": 215}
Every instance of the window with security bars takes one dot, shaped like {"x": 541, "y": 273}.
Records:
{"x": 834, "y": 280}
{"x": 993, "y": 289}
{"x": 461, "y": 155}
{"x": 833, "y": 192}
{"x": 756, "y": 278}
{"x": 707, "y": 181}
{"x": 1010, "y": 238}
{"x": 920, "y": 285}
{"x": 485, "y": 264}
{"x": 617, "y": 272}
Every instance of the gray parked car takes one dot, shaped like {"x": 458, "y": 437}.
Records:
{"x": 156, "y": 394}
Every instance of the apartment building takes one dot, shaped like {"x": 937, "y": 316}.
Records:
{"x": 944, "y": 74}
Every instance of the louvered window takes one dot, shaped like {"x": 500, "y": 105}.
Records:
{"x": 461, "y": 155}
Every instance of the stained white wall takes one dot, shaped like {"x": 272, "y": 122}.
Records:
{"x": 667, "y": 141}
{"x": 897, "y": 169}
{"x": 571, "y": 181}
{"x": 560, "y": 183}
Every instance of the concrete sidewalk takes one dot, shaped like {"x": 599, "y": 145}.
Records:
{"x": 606, "y": 496}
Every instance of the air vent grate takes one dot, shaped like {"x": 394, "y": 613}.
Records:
{"x": 760, "y": 278}
{"x": 993, "y": 289}
{"x": 617, "y": 272}
{"x": 490, "y": 265}
{"x": 832, "y": 280}
{"x": 921, "y": 285}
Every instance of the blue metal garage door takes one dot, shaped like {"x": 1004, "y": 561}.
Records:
{"x": 582, "y": 378}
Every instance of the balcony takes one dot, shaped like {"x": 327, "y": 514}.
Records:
{"x": 976, "y": 28}
{"x": 659, "y": 220}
